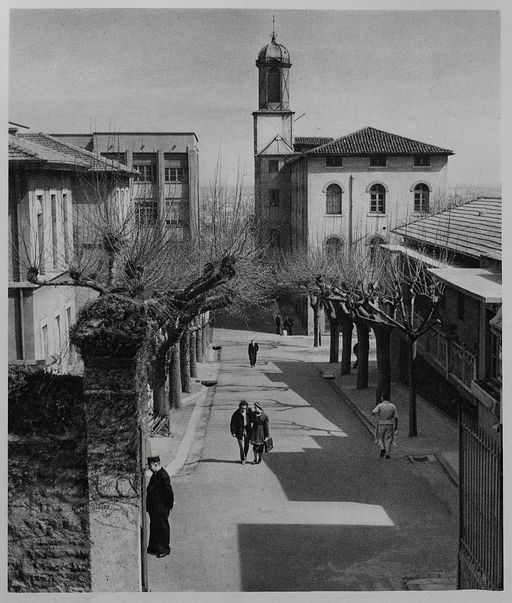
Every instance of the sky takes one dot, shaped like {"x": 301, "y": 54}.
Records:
{"x": 432, "y": 76}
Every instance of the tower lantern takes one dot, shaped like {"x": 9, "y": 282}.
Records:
{"x": 274, "y": 64}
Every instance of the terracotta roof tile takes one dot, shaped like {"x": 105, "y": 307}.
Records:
{"x": 473, "y": 228}
{"x": 370, "y": 141}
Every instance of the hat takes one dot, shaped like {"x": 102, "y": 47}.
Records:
{"x": 153, "y": 459}
{"x": 258, "y": 406}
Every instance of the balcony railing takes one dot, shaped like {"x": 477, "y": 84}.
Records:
{"x": 455, "y": 359}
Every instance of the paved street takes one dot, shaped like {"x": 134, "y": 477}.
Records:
{"x": 322, "y": 512}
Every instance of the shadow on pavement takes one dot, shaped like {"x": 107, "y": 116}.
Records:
{"x": 310, "y": 557}
{"x": 218, "y": 461}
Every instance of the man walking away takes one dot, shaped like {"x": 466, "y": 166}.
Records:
{"x": 387, "y": 426}
{"x": 240, "y": 427}
{"x": 253, "y": 352}
{"x": 159, "y": 502}
{"x": 288, "y": 323}
{"x": 278, "y": 324}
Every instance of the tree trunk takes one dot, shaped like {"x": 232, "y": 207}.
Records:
{"x": 383, "y": 344}
{"x": 160, "y": 399}
{"x": 199, "y": 345}
{"x": 185, "y": 362}
{"x": 411, "y": 351}
{"x": 347, "y": 327}
{"x": 193, "y": 359}
{"x": 175, "y": 377}
{"x": 363, "y": 344}
{"x": 204, "y": 336}
{"x": 317, "y": 336}
{"x": 334, "y": 344}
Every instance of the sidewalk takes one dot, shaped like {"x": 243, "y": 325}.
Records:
{"x": 437, "y": 434}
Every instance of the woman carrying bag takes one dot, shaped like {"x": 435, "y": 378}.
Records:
{"x": 260, "y": 433}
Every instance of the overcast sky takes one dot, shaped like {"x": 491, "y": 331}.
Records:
{"x": 432, "y": 76}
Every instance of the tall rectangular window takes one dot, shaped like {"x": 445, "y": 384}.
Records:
{"x": 45, "y": 350}
{"x": 55, "y": 240}
{"x": 65, "y": 221}
{"x": 68, "y": 327}
{"x": 40, "y": 235}
{"x": 58, "y": 335}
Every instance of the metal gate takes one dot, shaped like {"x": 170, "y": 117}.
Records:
{"x": 480, "y": 563}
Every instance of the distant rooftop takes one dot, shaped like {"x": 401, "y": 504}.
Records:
{"x": 472, "y": 229}
{"x": 370, "y": 141}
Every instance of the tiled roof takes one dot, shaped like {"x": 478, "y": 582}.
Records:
{"x": 471, "y": 229}
{"x": 50, "y": 149}
{"x": 370, "y": 141}
{"x": 311, "y": 140}
{"x": 21, "y": 149}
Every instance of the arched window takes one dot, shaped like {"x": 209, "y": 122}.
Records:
{"x": 421, "y": 198}
{"x": 333, "y": 247}
{"x": 377, "y": 199}
{"x": 333, "y": 199}
{"x": 274, "y": 85}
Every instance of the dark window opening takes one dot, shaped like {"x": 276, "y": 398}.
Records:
{"x": 273, "y": 165}
{"x": 274, "y": 197}
{"x": 378, "y": 161}
{"x": 422, "y": 160}
{"x": 333, "y": 199}
{"x": 334, "y": 161}
{"x": 421, "y": 198}
{"x": 274, "y": 85}
{"x": 377, "y": 199}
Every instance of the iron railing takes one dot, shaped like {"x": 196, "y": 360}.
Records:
{"x": 454, "y": 358}
{"x": 480, "y": 558}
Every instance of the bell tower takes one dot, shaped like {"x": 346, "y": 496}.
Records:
{"x": 273, "y": 117}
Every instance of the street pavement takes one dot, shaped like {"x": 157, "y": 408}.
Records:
{"x": 323, "y": 512}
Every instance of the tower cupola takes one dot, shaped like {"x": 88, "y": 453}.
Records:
{"x": 274, "y": 64}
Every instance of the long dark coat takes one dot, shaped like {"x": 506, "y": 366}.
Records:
{"x": 159, "y": 502}
{"x": 259, "y": 429}
{"x": 237, "y": 423}
{"x": 253, "y": 352}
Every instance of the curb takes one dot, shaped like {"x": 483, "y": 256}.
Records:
{"x": 447, "y": 467}
{"x": 187, "y": 441}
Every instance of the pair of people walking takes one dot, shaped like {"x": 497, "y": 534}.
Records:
{"x": 250, "y": 427}
{"x": 287, "y": 325}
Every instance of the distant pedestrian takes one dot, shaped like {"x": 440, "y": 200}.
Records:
{"x": 387, "y": 425}
{"x": 355, "y": 350}
{"x": 259, "y": 432}
{"x": 288, "y": 325}
{"x": 253, "y": 352}
{"x": 240, "y": 427}
{"x": 278, "y": 324}
{"x": 159, "y": 502}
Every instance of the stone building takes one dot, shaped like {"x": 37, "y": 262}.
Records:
{"x": 167, "y": 187}
{"x": 315, "y": 192}
{"x": 47, "y": 179}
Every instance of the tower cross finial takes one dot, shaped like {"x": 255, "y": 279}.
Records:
{"x": 273, "y": 29}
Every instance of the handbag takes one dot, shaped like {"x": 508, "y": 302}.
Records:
{"x": 269, "y": 444}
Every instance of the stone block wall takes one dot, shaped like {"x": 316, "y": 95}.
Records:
{"x": 48, "y": 514}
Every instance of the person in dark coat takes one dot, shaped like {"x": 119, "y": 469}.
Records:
{"x": 259, "y": 432}
{"x": 278, "y": 324}
{"x": 240, "y": 427}
{"x": 159, "y": 502}
{"x": 253, "y": 352}
{"x": 288, "y": 325}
